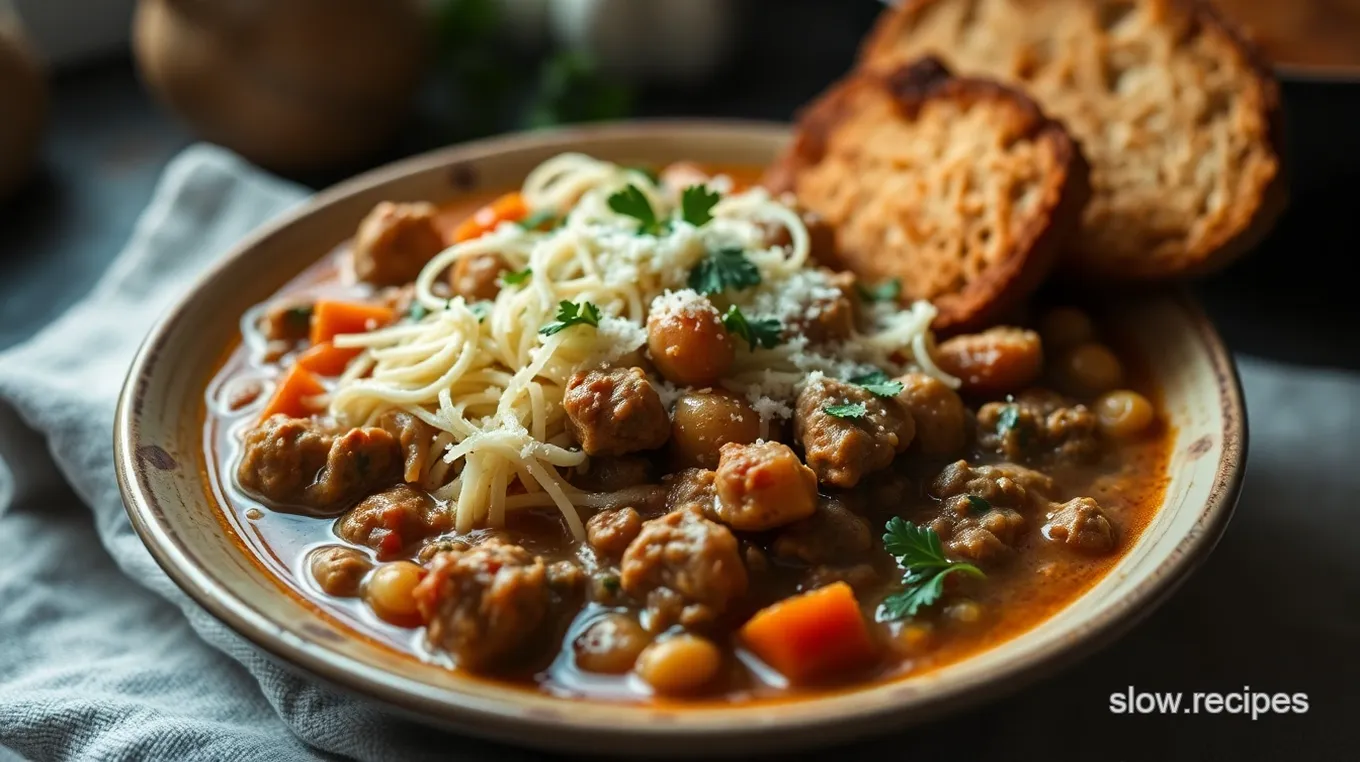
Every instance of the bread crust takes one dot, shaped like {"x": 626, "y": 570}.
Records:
{"x": 1033, "y": 246}
{"x": 1252, "y": 213}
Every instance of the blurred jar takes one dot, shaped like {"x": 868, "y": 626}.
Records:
{"x": 23, "y": 104}
{"x": 289, "y": 84}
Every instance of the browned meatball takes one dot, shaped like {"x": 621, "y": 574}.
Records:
{"x": 395, "y": 241}
{"x": 393, "y": 520}
{"x": 687, "y": 340}
{"x": 1081, "y": 525}
{"x": 475, "y": 278}
{"x": 762, "y": 486}
{"x": 702, "y": 422}
{"x": 977, "y": 529}
{"x": 1004, "y": 484}
{"x": 997, "y": 361}
{"x": 1040, "y": 425}
{"x": 833, "y": 534}
{"x": 832, "y": 318}
{"x": 615, "y": 412}
{"x": 692, "y": 489}
{"x": 938, "y": 412}
{"x": 415, "y": 437}
{"x": 688, "y": 569}
{"x": 483, "y": 603}
{"x": 610, "y": 532}
{"x": 338, "y": 570}
{"x": 297, "y": 461}
{"x": 842, "y": 449}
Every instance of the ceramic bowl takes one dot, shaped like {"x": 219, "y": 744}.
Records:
{"x": 162, "y": 471}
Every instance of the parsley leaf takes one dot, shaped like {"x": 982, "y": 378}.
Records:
{"x": 878, "y": 383}
{"x": 850, "y": 410}
{"x": 1009, "y": 419}
{"x": 541, "y": 220}
{"x": 696, "y": 204}
{"x": 978, "y": 504}
{"x": 516, "y": 278}
{"x": 631, "y": 202}
{"x": 723, "y": 269}
{"x": 570, "y": 314}
{"x": 417, "y": 311}
{"x": 887, "y": 291}
{"x": 924, "y": 565}
{"x": 764, "y": 332}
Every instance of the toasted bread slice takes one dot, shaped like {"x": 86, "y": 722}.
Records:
{"x": 1176, "y": 112}
{"x": 960, "y": 188}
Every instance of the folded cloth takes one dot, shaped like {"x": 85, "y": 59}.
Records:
{"x": 101, "y": 655}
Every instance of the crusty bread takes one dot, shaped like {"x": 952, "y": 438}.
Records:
{"x": 1176, "y": 112}
{"x": 960, "y": 188}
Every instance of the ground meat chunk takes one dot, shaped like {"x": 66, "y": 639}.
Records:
{"x": 861, "y": 577}
{"x": 833, "y": 534}
{"x": 610, "y": 532}
{"x": 976, "y": 529}
{"x": 565, "y": 578}
{"x": 688, "y": 569}
{"x": 1039, "y": 425}
{"x": 288, "y": 321}
{"x": 338, "y": 570}
{"x": 476, "y": 278}
{"x": 414, "y": 436}
{"x": 829, "y": 318}
{"x": 693, "y": 489}
{"x": 481, "y": 604}
{"x": 393, "y": 520}
{"x": 762, "y": 486}
{"x": 615, "y": 412}
{"x": 939, "y": 414}
{"x": 1004, "y": 484}
{"x": 395, "y": 241}
{"x": 299, "y": 462}
{"x": 841, "y": 450}
{"x": 1081, "y": 525}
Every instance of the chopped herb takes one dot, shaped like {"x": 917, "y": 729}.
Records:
{"x": 919, "y": 552}
{"x": 849, "y": 410}
{"x": 516, "y": 278}
{"x": 724, "y": 269}
{"x": 299, "y": 317}
{"x": 610, "y": 583}
{"x": 652, "y": 175}
{"x": 631, "y": 202}
{"x": 570, "y": 314}
{"x": 696, "y": 204}
{"x": 1009, "y": 419}
{"x": 417, "y": 311}
{"x": 541, "y": 220}
{"x": 763, "y": 332}
{"x": 887, "y": 291}
{"x": 978, "y": 504}
{"x": 878, "y": 383}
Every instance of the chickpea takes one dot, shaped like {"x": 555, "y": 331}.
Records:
{"x": 1065, "y": 327}
{"x": 1090, "y": 369}
{"x": 911, "y": 638}
{"x": 964, "y": 612}
{"x": 997, "y": 361}
{"x": 338, "y": 570}
{"x": 679, "y": 664}
{"x": 610, "y": 645}
{"x": 389, "y": 591}
{"x": 702, "y": 422}
{"x": 1124, "y": 414}
{"x": 689, "y": 344}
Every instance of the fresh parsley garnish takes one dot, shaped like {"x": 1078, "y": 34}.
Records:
{"x": 978, "y": 504}
{"x": 887, "y": 291}
{"x": 763, "y": 332}
{"x": 696, "y": 204}
{"x": 516, "y": 278}
{"x": 631, "y": 202}
{"x": 924, "y": 566}
{"x": 724, "y": 269}
{"x": 570, "y": 314}
{"x": 878, "y": 383}
{"x": 417, "y": 312}
{"x": 1009, "y": 419}
{"x": 541, "y": 220}
{"x": 849, "y": 410}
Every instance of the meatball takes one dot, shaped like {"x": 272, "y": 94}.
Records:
{"x": 475, "y": 278}
{"x": 338, "y": 570}
{"x": 687, "y": 340}
{"x": 615, "y": 412}
{"x": 840, "y": 450}
{"x": 938, "y": 412}
{"x": 414, "y": 436}
{"x": 393, "y": 520}
{"x": 395, "y": 241}
{"x": 688, "y": 569}
{"x": 832, "y": 534}
{"x": 483, "y": 603}
{"x": 702, "y": 422}
{"x": 997, "y": 361}
{"x": 1081, "y": 525}
{"x": 296, "y": 461}
{"x": 610, "y": 532}
{"x": 1040, "y": 425}
{"x": 977, "y": 529}
{"x": 693, "y": 489}
{"x": 829, "y": 317}
{"x": 762, "y": 486}
{"x": 1001, "y": 485}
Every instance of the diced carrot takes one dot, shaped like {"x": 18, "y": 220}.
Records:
{"x": 291, "y": 395}
{"x": 326, "y": 359}
{"x": 507, "y": 208}
{"x": 811, "y": 636}
{"x": 331, "y": 318}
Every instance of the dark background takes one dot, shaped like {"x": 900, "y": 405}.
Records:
{"x": 1291, "y": 300}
